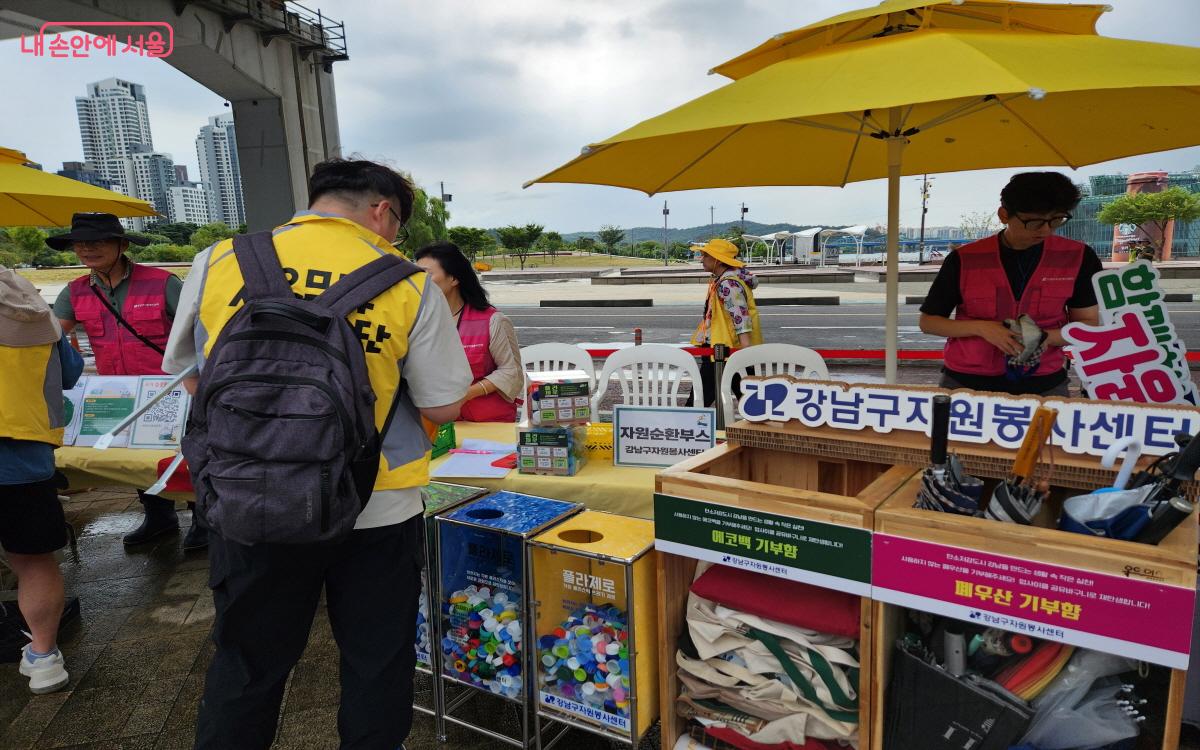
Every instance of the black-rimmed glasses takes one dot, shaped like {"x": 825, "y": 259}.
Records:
{"x": 1054, "y": 222}
{"x": 401, "y": 231}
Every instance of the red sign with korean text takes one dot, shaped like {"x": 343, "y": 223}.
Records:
{"x": 148, "y": 39}
{"x": 1125, "y": 616}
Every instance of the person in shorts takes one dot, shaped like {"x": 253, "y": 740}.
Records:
{"x": 38, "y": 364}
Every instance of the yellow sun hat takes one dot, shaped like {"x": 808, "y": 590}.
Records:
{"x": 724, "y": 251}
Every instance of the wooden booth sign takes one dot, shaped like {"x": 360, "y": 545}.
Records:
{"x": 1083, "y": 426}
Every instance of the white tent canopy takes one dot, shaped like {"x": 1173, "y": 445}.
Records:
{"x": 804, "y": 245}
{"x": 776, "y": 244}
{"x": 857, "y": 233}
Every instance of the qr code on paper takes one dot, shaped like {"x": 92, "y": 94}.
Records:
{"x": 166, "y": 410}
{"x": 162, "y": 424}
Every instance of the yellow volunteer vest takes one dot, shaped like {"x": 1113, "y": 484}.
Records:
{"x": 722, "y": 324}
{"x": 315, "y": 251}
{"x": 25, "y": 411}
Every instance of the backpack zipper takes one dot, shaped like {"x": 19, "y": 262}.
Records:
{"x": 326, "y": 491}
{"x": 293, "y": 337}
{"x": 263, "y": 415}
{"x": 220, "y": 385}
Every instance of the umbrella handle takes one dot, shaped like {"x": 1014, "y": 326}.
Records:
{"x": 1133, "y": 449}
{"x": 939, "y": 425}
{"x": 1184, "y": 468}
{"x": 1039, "y": 431}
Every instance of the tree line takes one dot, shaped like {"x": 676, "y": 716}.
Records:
{"x": 180, "y": 241}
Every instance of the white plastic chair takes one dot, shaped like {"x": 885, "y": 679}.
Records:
{"x": 769, "y": 359}
{"x": 546, "y": 357}
{"x": 650, "y": 375}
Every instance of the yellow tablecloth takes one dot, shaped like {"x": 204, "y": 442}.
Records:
{"x": 599, "y": 485}
{"x": 88, "y": 467}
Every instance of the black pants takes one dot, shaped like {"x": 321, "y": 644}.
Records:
{"x": 708, "y": 379}
{"x": 266, "y": 596}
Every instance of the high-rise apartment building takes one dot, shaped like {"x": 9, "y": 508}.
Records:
{"x": 114, "y": 126}
{"x": 191, "y": 202}
{"x": 113, "y": 122}
{"x": 216, "y": 149}
{"x": 153, "y": 176}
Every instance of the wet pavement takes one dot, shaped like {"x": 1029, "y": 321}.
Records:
{"x": 138, "y": 655}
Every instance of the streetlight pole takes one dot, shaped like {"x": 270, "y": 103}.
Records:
{"x": 666, "y": 244}
{"x": 446, "y": 197}
{"x": 745, "y": 248}
{"x": 712, "y": 222}
{"x": 924, "y": 210}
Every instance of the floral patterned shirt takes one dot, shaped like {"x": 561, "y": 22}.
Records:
{"x": 733, "y": 297}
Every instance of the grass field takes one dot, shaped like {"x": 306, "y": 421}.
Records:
{"x": 569, "y": 261}
{"x": 63, "y": 275}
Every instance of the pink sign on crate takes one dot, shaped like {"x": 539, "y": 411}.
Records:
{"x": 1118, "y": 615}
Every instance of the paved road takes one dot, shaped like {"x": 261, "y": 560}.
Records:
{"x": 829, "y": 327}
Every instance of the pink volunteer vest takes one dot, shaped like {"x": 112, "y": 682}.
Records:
{"x": 118, "y": 352}
{"x": 474, "y": 332}
{"x": 987, "y": 295}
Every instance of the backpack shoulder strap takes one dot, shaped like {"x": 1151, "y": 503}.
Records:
{"x": 364, "y": 284}
{"x": 259, "y": 263}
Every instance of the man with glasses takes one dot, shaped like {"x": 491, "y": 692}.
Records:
{"x": 266, "y": 595}
{"x": 1024, "y": 273}
{"x": 126, "y": 309}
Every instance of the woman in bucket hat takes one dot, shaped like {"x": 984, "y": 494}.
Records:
{"x": 126, "y": 309}
{"x": 39, "y": 364}
{"x": 730, "y": 314}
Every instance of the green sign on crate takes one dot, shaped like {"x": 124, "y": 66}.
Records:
{"x": 444, "y": 441}
{"x": 823, "y": 554}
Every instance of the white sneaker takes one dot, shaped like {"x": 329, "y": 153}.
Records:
{"x": 46, "y": 673}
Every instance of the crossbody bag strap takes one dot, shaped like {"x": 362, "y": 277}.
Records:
{"x": 122, "y": 322}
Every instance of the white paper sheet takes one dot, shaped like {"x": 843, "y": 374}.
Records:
{"x": 476, "y": 464}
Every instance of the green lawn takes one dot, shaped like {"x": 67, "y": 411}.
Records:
{"x": 598, "y": 260}
{"x": 63, "y": 275}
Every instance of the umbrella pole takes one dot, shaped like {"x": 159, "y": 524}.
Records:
{"x": 895, "y": 145}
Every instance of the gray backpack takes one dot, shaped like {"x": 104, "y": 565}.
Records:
{"x": 281, "y": 442}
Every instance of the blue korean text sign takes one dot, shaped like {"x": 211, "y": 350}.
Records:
{"x": 1082, "y": 427}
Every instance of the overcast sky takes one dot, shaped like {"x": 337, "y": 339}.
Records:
{"x": 485, "y": 96}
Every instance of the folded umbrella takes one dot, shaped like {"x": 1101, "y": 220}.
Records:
{"x": 945, "y": 487}
{"x": 1168, "y": 506}
{"x": 1017, "y": 499}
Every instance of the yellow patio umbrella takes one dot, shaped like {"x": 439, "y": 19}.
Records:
{"x": 31, "y": 197}
{"x": 908, "y": 87}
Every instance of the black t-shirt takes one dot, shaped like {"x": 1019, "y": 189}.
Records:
{"x": 945, "y": 294}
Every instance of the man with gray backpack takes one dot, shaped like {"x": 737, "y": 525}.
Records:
{"x": 320, "y": 349}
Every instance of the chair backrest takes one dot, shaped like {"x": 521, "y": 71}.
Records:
{"x": 769, "y": 359}
{"x": 544, "y": 357}
{"x": 650, "y": 375}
